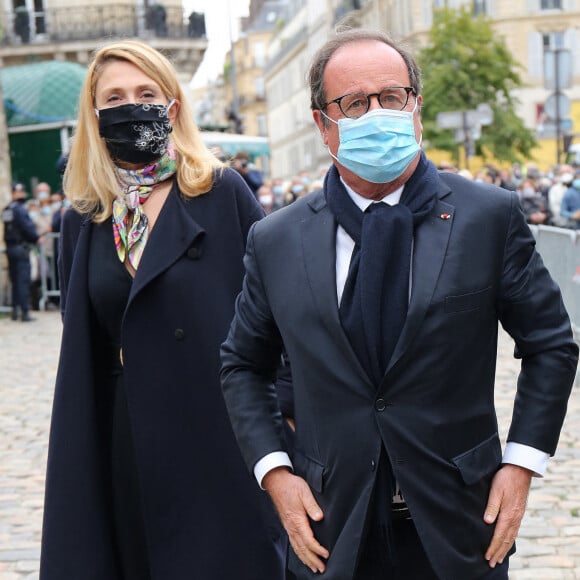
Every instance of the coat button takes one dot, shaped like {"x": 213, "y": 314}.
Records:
{"x": 193, "y": 253}
{"x": 179, "y": 334}
{"x": 380, "y": 405}
{"x": 373, "y": 464}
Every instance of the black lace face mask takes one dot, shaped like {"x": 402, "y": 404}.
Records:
{"x": 135, "y": 133}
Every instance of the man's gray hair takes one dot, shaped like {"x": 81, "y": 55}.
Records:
{"x": 348, "y": 36}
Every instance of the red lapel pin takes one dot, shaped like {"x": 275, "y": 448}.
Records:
{"x": 445, "y": 216}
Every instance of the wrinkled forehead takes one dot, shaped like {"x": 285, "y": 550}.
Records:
{"x": 365, "y": 63}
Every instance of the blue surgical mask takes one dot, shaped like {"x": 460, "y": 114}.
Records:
{"x": 576, "y": 184}
{"x": 379, "y": 146}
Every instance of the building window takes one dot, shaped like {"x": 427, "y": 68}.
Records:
{"x": 553, "y": 40}
{"x": 262, "y": 123}
{"x": 479, "y": 7}
{"x": 259, "y": 87}
{"x": 259, "y": 54}
{"x": 551, "y": 4}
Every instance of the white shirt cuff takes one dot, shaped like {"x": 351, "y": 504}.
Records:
{"x": 526, "y": 456}
{"x": 269, "y": 462}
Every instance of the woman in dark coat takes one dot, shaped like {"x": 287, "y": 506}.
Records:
{"x": 145, "y": 480}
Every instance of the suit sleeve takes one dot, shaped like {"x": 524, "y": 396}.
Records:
{"x": 250, "y": 359}
{"x": 532, "y": 312}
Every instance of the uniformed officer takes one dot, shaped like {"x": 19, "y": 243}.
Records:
{"x": 19, "y": 235}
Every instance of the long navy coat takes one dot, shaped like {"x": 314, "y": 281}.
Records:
{"x": 205, "y": 516}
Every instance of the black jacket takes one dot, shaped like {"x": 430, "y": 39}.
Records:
{"x": 18, "y": 227}
{"x": 474, "y": 266}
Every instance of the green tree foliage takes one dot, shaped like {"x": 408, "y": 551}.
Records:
{"x": 466, "y": 64}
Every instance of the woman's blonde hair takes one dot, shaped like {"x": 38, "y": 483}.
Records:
{"x": 89, "y": 180}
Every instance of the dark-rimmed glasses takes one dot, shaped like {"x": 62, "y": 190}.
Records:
{"x": 355, "y": 105}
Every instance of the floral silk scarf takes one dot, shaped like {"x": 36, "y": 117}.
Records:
{"x": 136, "y": 185}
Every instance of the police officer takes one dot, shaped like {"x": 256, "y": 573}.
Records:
{"x": 19, "y": 235}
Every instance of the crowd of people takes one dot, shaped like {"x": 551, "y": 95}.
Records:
{"x": 549, "y": 197}
{"x": 32, "y": 254}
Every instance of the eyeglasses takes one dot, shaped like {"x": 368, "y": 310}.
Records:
{"x": 355, "y": 105}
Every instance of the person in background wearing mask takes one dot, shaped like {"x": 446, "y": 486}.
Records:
{"x": 59, "y": 205}
{"x": 278, "y": 191}
{"x": 386, "y": 289}
{"x": 44, "y": 217}
{"x": 19, "y": 236}
{"x": 145, "y": 480}
{"x": 266, "y": 197}
{"x": 297, "y": 189}
{"x": 556, "y": 193}
{"x": 570, "y": 208}
{"x": 41, "y": 191}
{"x": 57, "y": 208}
{"x": 533, "y": 203}
{"x": 42, "y": 255}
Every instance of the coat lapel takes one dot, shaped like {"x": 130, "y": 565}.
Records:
{"x": 429, "y": 249}
{"x": 174, "y": 233}
{"x": 319, "y": 251}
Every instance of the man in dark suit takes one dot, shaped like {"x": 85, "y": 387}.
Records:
{"x": 386, "y": 289}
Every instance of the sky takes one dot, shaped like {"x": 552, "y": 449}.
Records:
{"x": 218, "y": 33}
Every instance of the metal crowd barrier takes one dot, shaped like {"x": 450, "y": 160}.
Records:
{"x": 560, "y": 250}
{"x": 48, "y": 270}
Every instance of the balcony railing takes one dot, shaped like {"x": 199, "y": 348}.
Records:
{"x": 92, "y": 22}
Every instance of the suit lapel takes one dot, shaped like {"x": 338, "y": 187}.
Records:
{"x": 175, "y": 231}
{"x": 319, "y": 251}
{"x": 430, "y": 246}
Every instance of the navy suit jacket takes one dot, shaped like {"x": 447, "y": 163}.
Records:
{"x": 474, "y": 265}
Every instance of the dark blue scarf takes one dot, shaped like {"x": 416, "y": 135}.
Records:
{"x": 376, "y": 294}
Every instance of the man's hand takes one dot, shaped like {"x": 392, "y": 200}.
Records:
{"x": 295, "y": 504}
{"x": 506, "y": 504}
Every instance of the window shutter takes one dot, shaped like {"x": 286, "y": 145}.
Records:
{"x": 571, "y": 43}
{"x": 535, "y": 55}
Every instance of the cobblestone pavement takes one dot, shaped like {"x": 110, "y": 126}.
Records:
{"x": 548, "y": 544}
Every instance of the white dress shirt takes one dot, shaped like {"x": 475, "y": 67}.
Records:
{"x": 515, "y": 453}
